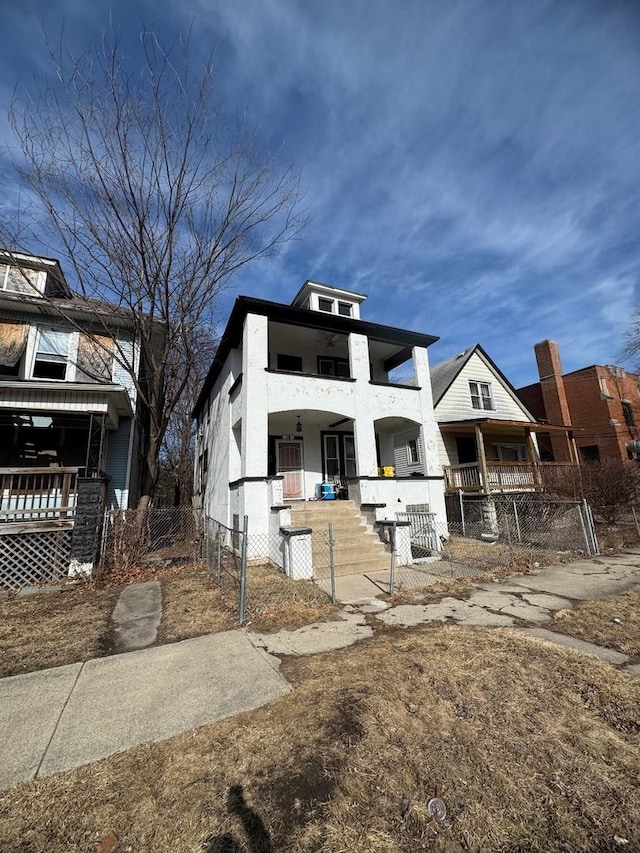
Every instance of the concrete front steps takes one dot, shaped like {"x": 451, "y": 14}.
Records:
{"x": 356, "y": 548}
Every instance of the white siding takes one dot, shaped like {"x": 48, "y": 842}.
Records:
{"x": 456, "y": 403}
{"x": 400, "y": 439}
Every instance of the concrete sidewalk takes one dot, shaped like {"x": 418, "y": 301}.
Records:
{"x": 57, "y": 719}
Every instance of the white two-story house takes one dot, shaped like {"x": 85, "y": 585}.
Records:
{"x": 68, "y": 408}
{"x": 309, "y": 393}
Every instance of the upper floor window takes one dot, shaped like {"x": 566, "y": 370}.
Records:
{"x": 333, "y": 366}
{"x": 481, "y": 395}
{"x": 344, "y": 308}
{"x": 325, "y": 305}
{"x": 289, "y": 362}
{"x": 18, "y": 280}
{"x": 52, "y": 354}
{"x": 627, "y": 411}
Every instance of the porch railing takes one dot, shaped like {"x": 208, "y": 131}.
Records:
{"x": 38, "y": 494}
{"x": 504, "y": 476}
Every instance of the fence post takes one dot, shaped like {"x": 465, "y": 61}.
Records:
{"x": 592, "y": 527}
{"x": 461, "y": 511}
{"x": 635, "y": 518}
{"x": 584, "y": 522}
{"x": 218, "y": 555}
{"x": 332, "y": 564}
{"x": 243, "y": 568}
{"x": 392, "y": 571}
{"x": 517, "y": 521}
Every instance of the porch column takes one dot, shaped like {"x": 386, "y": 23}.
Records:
{"x": 533, "y": 456}
{"x": 255, "y": 416}
{"x": 482, "y": 459}
{"x": 363, "y": 428}
{"x": 429, "y": 427}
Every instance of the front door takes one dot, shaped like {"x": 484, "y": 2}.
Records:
{"x": 339, "y": 456}
{"x": 290, "y": 466}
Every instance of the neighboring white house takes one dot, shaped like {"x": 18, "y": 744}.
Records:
{"x": 65, "y": 401}
{"x": 307, "y": 393}
{"x": 487, "y": 437}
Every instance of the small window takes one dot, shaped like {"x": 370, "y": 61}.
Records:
{"x": 290, "y": 362}
{"x": 481, "y": 395}
{"x": 344, "y": 308}
{"x": 511, "y": 452}
{"x": 325, "y": 305}
{"x": 603, "y": 386}
{"x": 627, "y": 411}
{"x": 52, "y": 355}
{"x": 18, "y": 280}
{"x": 413, "y": 452}
{"x": 333, "y": 367}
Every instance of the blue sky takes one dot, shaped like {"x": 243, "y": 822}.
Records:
{"x": 474, "y": 167}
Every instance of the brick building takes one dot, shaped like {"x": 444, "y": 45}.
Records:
{"x": 601, "y": 402}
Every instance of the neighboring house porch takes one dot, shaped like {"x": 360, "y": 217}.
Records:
{"x": 502, "y": 456}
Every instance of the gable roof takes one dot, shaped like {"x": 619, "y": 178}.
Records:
{"x": 444, "y": 374}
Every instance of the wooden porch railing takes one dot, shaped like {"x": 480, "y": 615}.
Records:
{"x": 38, "y": 494}
{"x": 504, "y": 476}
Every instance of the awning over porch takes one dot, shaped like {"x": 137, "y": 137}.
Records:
{"x": 110, "y": 400}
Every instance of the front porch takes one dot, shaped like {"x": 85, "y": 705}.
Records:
{"x": 491, "y": 456}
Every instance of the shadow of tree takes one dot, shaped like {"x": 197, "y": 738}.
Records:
{"x": 257, "y": 834}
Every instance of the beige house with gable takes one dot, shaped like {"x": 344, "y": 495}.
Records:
{"x": 487, "y": 438}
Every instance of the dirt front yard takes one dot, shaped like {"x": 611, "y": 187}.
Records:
{"x": 56, "y": 628}
{"x": 531, "y": 748}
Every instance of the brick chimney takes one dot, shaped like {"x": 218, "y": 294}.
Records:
{"x": 553, "y": 395}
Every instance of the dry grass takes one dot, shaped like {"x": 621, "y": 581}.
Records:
{"x": 54, "y": 628}
{"x": 593, "y": 621}
{"x": 482, "y": 556}
{"x": 533, "y": 749}
{"x": 274, "y": 601}
{"x": 193, "y": 605}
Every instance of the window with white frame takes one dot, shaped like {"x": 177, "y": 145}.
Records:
{"x": 52, "y": 354}
{"x": 18, "y": 279}
{"x": 481, "y": 395}
{"x": 325, "y": 305}
{"x": 511, "y": 452}
{"x": 413, "y": 452}
{"x": 344, "y": 308}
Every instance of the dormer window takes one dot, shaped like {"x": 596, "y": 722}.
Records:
{"x": 18, "y": 280}
{"x": 325, "y": 305}
{"x": 344, "y": 308}
{"x": 52, "y": 354}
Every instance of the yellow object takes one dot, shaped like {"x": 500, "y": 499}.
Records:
{"x": 387, "y": 471}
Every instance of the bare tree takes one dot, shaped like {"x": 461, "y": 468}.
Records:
{"x": 153, "y": 199}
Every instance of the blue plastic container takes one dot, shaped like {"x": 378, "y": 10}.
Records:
{"x": 328, "y": 492}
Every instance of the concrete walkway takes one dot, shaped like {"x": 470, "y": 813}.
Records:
{"x": 513, "y": 602}
{"x": 57, "y": 719}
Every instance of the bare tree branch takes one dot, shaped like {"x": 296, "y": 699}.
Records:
{"x": 154, "y": 201}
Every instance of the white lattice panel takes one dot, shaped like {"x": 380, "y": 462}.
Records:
{"x": 34, "y": 558}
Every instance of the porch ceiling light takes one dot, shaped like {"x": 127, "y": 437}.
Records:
{"x": 299, "y": 425}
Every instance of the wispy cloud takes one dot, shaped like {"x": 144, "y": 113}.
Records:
{"x": 473, "y": 166}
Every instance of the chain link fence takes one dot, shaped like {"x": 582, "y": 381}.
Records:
{"x": 297, "y": 566}
{"x": 489, "y": 535}
{"x": 150, "y": 537}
